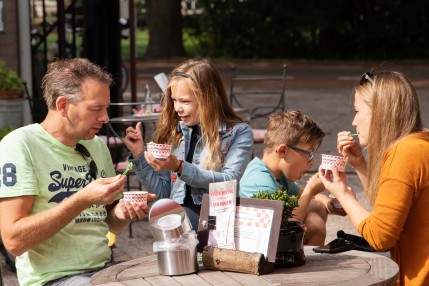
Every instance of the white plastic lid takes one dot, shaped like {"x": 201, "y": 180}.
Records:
{"x": 170, "y": 221}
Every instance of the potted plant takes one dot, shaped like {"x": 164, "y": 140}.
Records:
{"x": 10, "y": 83}
{"x": 4, "y": 131}
{"x": 10, "y": 259}
{"x": 290, "y": 248}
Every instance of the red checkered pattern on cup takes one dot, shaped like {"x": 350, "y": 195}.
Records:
{"x": 159, "y": 151}
{"x": 329, "y": 160}
{"x": 135, "y": 197}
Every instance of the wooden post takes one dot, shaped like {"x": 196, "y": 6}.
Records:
{"x": 236, "y": 261}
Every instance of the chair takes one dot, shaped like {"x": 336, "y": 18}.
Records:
{"x": 259, "y": 135}
{"x": 269, "y": 89}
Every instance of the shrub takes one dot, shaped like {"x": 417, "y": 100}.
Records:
{"x": 289, "y": 202}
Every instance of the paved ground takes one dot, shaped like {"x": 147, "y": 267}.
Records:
{"x": 320, "y": 89}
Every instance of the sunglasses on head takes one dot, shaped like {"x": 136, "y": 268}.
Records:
{"x": 93, "y": 170}
{"x": 309, "y": 153}
{"x": 367, "y": 77}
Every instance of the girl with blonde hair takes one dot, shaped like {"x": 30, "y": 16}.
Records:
{"x": 210, "y": 143}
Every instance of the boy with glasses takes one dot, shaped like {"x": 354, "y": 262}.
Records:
{"x": 59, "y": 195}
{"x": 289, "y": 147}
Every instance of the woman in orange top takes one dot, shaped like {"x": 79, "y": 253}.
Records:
{"x": 394, "y": 172}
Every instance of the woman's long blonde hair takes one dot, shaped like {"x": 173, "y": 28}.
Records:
{"x": 395, "y": 113}
{"x": 213, "y": 105}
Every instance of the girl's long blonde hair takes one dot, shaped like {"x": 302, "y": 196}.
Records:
{"x": 213, "y": 105}
{"x": 395, "y": 114}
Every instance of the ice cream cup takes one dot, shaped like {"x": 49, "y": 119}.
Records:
{"x": 135, "y": 197}
{"x": 159, "y": 151}
{"x": 330, "y": 160}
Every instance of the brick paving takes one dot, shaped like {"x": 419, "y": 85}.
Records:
{"x": 322, "y": 90}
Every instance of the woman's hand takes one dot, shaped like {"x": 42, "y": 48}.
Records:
{"x": 344, "y": 194}
{"x": 337, "y": 185}
{"x": 350, "y": 149}
{"x": 134, "y": 140}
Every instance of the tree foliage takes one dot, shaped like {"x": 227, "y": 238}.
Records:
{"x": 333, "y": 29}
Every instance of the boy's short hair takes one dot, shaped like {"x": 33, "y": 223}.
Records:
{"x": 292, "y": 128}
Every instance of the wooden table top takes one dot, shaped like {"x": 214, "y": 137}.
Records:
{"x": 347, "y": 268}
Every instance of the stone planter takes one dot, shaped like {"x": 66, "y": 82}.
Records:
{"x": 11, "y": 109}
{"x": 290, "y": 248}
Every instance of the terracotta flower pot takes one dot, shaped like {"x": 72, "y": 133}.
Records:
{"x": 290, "y": 248}
{"x": 4, "y": 94}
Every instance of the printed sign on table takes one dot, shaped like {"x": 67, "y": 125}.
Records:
{"x": 222, "y": 200}
{"x": 256, "y": 225}
{"x": 253, "y": 229}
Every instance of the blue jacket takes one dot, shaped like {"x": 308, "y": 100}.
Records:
{"x": 236, "y": 146}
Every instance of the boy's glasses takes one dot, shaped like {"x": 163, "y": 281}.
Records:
{"x": 309, "y": 153}
{"x": 367, "y": 77}
{"x": 93, "y": 170}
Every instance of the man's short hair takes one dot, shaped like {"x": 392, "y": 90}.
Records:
{"x": 65, "y": 77}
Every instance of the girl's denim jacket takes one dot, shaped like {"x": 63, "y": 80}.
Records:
{"x": 237, "y": 149}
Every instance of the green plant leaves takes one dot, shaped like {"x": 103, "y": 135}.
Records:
{"x": 289, "y": 202}
{"x": 9, "y": 79}
{"x": 5, "y": 130}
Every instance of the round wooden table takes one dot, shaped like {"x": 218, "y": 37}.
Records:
{"x": 347, "y": 268}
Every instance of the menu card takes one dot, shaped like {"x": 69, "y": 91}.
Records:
{"x": 253, "y": 229}
{"x": 257, "y": 225}
{"x": 222, "y": 205}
